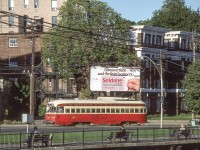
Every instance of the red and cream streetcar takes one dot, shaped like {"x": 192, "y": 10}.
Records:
{"x": 103, "y": 110}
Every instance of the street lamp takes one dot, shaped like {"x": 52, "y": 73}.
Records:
{"x": 161, "y": 86}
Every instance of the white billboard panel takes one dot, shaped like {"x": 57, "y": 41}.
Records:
{"x": 114, "y": 79}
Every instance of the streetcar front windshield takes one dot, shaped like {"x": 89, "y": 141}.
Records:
{"x": 51, "y": 109}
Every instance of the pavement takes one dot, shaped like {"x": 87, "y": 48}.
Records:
{"x": 149, "y": 122}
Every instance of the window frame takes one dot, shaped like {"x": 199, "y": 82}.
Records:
{"x": 36, "y": 3}
{"x": 147, "y": 39}
{"x": 11, "y": 4}
{"x": 26, "y": 3}
{"x": 54, "y": 5}
{"x": 12, "y": 44}
{"x": 54, "y": 21}
{"x": 11, "y": 21}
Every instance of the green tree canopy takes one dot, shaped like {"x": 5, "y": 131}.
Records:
{"x": 191, "y": 84}
{"x": 175, "y": 15}
{"x": 88, "y": 33}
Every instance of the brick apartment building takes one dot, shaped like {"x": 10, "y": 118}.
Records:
{"x": 174, "y": 47}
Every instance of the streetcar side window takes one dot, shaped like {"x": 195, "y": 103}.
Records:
{"x": 141, "y": 110}
{"x": 117, "y": 110}
{"x": 93, "y": 110}
{"x": 88, "y": 110}
{"x": 136, "y": 110}
{"x": 112, "y": 110}
{"x": 127, "y": 110}
{"x": 145, "y": 111}
{"x": 67, "y": 110}
{"x": 72, "y": 110}
{"x": 77, "y": 110}
{"x": 103, "y": 110}
{"x": 132, "y": 110}
{"x": 60, "y": 109}
{"x": 122, "y": 110}
{"x": 108, "y": 110}
{"x": 82, "y": 110}
{"x": 98, "y": 110}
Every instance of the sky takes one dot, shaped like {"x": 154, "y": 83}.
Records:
{"x": 136, "y": 10}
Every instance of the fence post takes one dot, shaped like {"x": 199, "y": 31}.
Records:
{"x": 83, "y": 135}
{"x": 20, "y": 140}
{"x": 153, "y": 134}
{"x": 63, "y": 137}
{"x": 102, "y": 135}
{"x": 137, "y": 135}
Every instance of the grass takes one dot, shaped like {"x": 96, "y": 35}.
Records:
{"x": 166, "y": 117}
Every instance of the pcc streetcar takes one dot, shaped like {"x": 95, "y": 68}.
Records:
{"x": 103, "y": 110}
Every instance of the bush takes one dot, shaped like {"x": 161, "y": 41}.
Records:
{"x": 85, "y": 93}
{"x": 42, "y": 110}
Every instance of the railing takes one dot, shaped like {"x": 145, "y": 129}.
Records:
{"x": 81, "y": 137}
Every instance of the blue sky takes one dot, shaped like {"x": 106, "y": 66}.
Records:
{"x": 136, "y": 10}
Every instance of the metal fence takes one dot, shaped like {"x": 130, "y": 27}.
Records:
{"x": 82, "y": 137}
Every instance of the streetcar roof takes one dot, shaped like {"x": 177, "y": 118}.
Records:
{"x": 101, "y": 100}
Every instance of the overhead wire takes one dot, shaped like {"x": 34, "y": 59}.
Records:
{"x": 49, "y": 25}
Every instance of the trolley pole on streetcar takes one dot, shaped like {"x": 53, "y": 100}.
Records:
{"x": 160, "y": 71}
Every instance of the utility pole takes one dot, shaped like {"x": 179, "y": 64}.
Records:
{"x": 161, "y": 90}
{"x": 194, "y": 53}
{"x": 193, "y": 45}
{"x": 31, "y": 27}
{"x": 32, "y": 82}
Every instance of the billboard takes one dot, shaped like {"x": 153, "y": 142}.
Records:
{"x": 114, "y": 79}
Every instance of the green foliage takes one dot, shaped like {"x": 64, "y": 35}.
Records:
{"x": 42, "y": 110}
{"x": 87, "y": 34}
{"x": 24, "y": 92}
{"x": 85, "y": 93}
{"x": 175, "y": 15}
{"x": 6, "y": 112}
{"x": 191, "y": 84}
{"x": 11, "y": 122}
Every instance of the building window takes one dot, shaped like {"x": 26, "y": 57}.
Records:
{"x": 10, "y": 4}
{"x": 158, "y": 40}
{"x": 13, "y": 63}
{"x": 183, "y": 44}
{"x": 13, "y": 42}
{"x": 50, "y": 82}
{"x": 133, "y": 37}
{"x": 153, "y": 39}
{"x": 146, "y": 64}
{"x": 146, "y": 83}
{"x": 53, "y": 5}
{"x": 158, "y": 84}
{"x": 11, "y": 21}
{"x": 26, "y": 3}
{"x": 54, "y": 21}
{"x": 147, "y": 38}
{"x": 36, "y": 3}
{"x": 182, "y": 64}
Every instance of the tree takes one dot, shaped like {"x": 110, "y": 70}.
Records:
{"x": 87, "y": 34}
{"x": 191, "y": 84}
{"x": 175, "y": 15}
